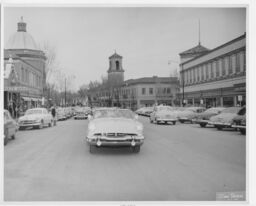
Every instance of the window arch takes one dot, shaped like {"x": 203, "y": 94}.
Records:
{"x": 117, "y": 65}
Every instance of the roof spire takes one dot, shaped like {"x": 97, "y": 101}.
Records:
{"x": 199, "y": 35}
{"x": 22, "y": 25}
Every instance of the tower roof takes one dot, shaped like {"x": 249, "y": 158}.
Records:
{"x": 115, "y": 55}
{"x": 195, "y": 50}
{"x": 21, "y": 39}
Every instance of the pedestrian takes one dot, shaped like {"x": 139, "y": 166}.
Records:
{"x": 53, "y": 111}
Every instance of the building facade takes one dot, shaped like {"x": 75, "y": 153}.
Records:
{"x": 217, "y": 77}
{"x": 24, "y": 72}
{"x": 133, "y": 93}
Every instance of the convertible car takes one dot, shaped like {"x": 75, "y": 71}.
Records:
{"x": 36, "y": 118}
{"x": 225, "y": 118}
{"x": 112, "y": 127}
{"x": 189, "y": 113}
{"x": 163, "y": 114}
{"x": 203, "y": 118}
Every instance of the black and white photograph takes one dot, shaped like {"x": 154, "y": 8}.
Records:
{"x": 125, "y": 103}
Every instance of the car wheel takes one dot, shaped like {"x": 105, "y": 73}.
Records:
{"x": 6, "y": 140}
{"x": 243, "y": 131}
{"x": 202, "y": 125}
{"x": 136, "y": 149}
{"x": 174, "y": 123}
{"x": 41, "y": 125}
{"x": 50, "y": 124}
{"x": 219, "y": 127}
{"x": 92, "y": 148}
{"x": 13, "y": 136}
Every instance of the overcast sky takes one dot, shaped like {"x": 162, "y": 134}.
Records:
{"x": 147, "y": 38}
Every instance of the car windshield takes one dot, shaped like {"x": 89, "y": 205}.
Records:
{"x": 164, "y": 108}
{"x": 113, "y": 113}
{"x": 232, "y": 110}
{"x": 213, "y": 110}
{"x": 34, "y": 111}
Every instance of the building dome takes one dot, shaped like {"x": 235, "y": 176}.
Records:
{"x": 21, "y": 39}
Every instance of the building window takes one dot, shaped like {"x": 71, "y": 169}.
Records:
{"x": 150, "y": 90}
{"x": 207, "y": 72}
{"x": 117, "y": 65}
{"x": 168, "y": 90}
{"x": 218, "y": 68}
{"x": 143, "y": 90}
{"x": 242, "y": 61}
{"x": 22, "y": 74}
{"x": 233, "y": 63}
{"x": 223, "y": 67}
{"x": 230, "y": 65}
{"x": 227, "y": 65}
{"x": 237, "y": 63}
{"x": 211, "y": 76}
{"x": 202, "y": 72}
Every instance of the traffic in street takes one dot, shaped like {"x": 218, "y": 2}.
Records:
{"x": 175, "y": 162}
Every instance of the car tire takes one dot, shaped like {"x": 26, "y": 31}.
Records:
{"x": 174, "y": 123}
{"x": 136, "y": 149}
{"x": 92, "y": 149}
{"x": 219, "y": 127}
{"x": 202, "y": 125}
{"x": 6, "y": 140}
{"x": 13, "y": 136}
{"x": 41, "y": 125}
{"x": 50, "y": 124}
{"x": 243, "y": 131}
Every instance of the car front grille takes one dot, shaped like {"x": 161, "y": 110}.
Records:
{"x": 115, "y": 134}
{"x": 27, "y": 122}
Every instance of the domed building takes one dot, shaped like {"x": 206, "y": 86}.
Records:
{"x": 24, "y": 71}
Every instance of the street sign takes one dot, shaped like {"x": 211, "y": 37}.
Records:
{"x": 240, "y": 98}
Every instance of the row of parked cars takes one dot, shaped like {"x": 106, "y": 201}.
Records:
{"x": 219, "y": 117}
{"x": 39, "y": 118}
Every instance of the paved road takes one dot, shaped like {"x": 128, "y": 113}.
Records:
{"x": 180, "y": 162}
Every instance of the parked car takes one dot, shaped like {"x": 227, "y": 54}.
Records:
{"x": 82, "y": 113}
{"x": 61, "y": 115}
{"x": 163, "y": 114}
{"x": 36, "y": 118}
{"x": 114, "y": 128}
{"x": 10, "y": 127}
{"x": 239, "y": 121}
{"x": 225, "y": 118}
{"x": 189, "y": 113}
{"x": 203, "y": 118}
{"x": 144, "y": 111}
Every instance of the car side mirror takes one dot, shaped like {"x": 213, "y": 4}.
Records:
{"x": 136, "y": 117}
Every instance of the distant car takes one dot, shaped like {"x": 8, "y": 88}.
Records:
{"x": 203, "y": 118}
{"x": 225, "y": 118}
{"x": 145, "y": 111}
{"x": 163, "y": 114}
{"x": 36, "y": 118}
{"x": 61, "y": 115}
{"x": 239, "y": 121}
{"x": 81, "y": 115}
{"x": 10, "y": 127}
{"x": 189, "y": 113}
{"x": 114, "y": 128}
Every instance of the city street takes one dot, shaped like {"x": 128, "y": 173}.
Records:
{"x": 176, "y": 162}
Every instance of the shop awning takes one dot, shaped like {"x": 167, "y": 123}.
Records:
{"x": 27, "y": 99}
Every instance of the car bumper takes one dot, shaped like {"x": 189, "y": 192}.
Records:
{"x": 199, "y": 121}
{"x": 239, "y": 126}
{"x": 220, "y": 124}
{"x": 115, "y": 141}
{"x": 80, "y": 117}
{"x": 166, "y": 119}
{"x": 21, "y": 125}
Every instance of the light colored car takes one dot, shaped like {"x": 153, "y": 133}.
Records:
{"x": 36, "y": 118}
{"x": 225, "y": 118}
{"x": 189, "y": 113}
{"x": 239, "y": 122}
{"x": 61, "y": 115}
{"x": 145, "y": 111}
{"x": 203, "y": 118}
{"x": 10, "y": 127}
{"x": 114, "y": 128}
{"x": 163, "y": 114}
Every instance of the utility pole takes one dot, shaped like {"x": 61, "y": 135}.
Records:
{"x": 65, "y": 92}
{"x": 183, "y": 103}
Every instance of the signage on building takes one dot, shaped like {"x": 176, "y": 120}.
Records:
{"x": 240, "y": 98}
{"x": 16, "y": 89}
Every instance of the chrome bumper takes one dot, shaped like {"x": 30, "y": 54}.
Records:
{"x": 220, "y": 124}
{"x": 166, "y": 120}
{"x": 239, "y": 126}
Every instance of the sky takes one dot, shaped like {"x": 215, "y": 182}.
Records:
{"x": 147, "y": 38}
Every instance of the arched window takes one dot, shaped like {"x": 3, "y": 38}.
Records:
{"x": 117, "y": 65}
